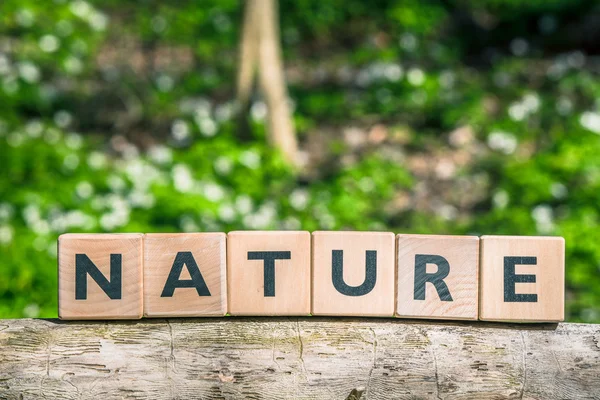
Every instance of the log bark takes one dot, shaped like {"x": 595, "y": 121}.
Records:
{"x": 310, "y": 358}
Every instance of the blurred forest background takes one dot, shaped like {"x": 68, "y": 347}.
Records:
{"x": 445, "y": 117}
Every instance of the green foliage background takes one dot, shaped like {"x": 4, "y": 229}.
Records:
{"x": 118, "y": 116}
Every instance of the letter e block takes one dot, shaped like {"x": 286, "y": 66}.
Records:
{"x": 353, "y": 273}
{"x": 185, "y": 275}
{"x": 100, "y": 276}
{"x": 268, "y": 272}
{"x": 437, "y": 277}
{"x": 522, "y": 279}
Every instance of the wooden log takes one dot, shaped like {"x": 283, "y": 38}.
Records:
{"x": 311, "y": 358}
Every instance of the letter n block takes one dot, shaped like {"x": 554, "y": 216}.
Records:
{"x": 268, "y": 272}
{"x": 353, "y": 273}
{"x": 522, "y": 279}
{"x": 100, "y": 276}
{"x": 185, "y": 275}
{"x": 437, "y": 277}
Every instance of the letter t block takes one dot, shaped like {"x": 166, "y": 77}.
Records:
{"x": 268, "y": 272}
{"x": 100, "y": 276}
{"x": 522, "y": 279}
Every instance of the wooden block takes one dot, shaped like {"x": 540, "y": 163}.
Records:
{"x": 353, "y": 273}
{"x": 268, "y": 272}
{"x": 185, "y": 275}
{"x": 437, "y": 276}
{"x": 522, "y": 279}
{"x": 100, "y": 276}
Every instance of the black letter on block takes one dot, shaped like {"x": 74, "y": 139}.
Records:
{"x": 269, "y": 257}
{"x": 337, "y": 274}
{"x": 85, "y": 266}
{"x": 510, "y": 278}
{"x": 185, "y": 258}
{"x": 437, "y": 279}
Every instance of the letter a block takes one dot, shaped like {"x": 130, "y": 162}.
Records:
{"x": 522, "y": 279}
{"x": 353, "y": 273}
{"x": 185, "y": 275}
{"x": 437, "y": 277}
{"x": 100, "y": 276}
{"x": 268, "y": 272}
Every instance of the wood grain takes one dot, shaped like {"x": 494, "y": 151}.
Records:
{"x": 307, "y": 358}
{"x": 208, "y": 252}
{"x": 98, "y": 248}
{"x": 548, "y": 270}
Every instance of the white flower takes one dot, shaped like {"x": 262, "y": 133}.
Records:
{"x": 502, "y": 141}
{"x": 250, "y": 159}
{"x": 96, "y": 160}
{"x": 393, "y": 72}
{"x": 63, "y": 118}
{"x": 226, "y": 213}
{"x": 84, "y": 189}
{"x": 223, "y": 165}
{"x": 29, "y": 71}
{"x": 500, "y": 199}
{"x": 74, "y": 141}
{"x": 207, "y": 126}
{"x": 416, "y": 76}
{"x": 519, "y": 46}
{"x": 180, "y": 130}
{"x": 34, "y": 128}
{"x": 182, "y": 178}
{"x": 98, "y": 21}
{"x": 25, "y": 17}
{"x": 31, "y": 311}
{"x": 165, "y": 83}
{"x": 6, "y": 234}
{"x": 258, "y": 111}
{"x": 6, "y": 211}
{"x": 544, "y": 218}
{"x": 299, "y": 199}
{"x": 4, "y": 65}
{"x": 590, "y": 120}
{"x": 161, "y": 154}
{"x": 213, "y": 192}
{"x": 71, "y": 161}
{"x": 49, "y": 43}
{"x": 73, "y": 65}
{"x": 244, "y": 204}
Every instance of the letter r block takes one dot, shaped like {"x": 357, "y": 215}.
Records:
{"x": 268, "y": 272}
{"x": 522, "y": 279}
{"x": 100, "y": 276}
{"x": 437, "y": 277}
{"x": 353, "y": 273}
{"x": 185, "y": 274}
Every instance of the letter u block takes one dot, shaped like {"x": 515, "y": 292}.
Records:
{"x": 353, "y": 273}
{"x": 437, "y": 276}
{"x": 100, "y": 276}
{"x": 268, "y": 272}
{"x": 185, "y": 274}
{"x": 522, "y": 279}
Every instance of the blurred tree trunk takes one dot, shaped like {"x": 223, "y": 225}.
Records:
{"x": 260, "y": 52}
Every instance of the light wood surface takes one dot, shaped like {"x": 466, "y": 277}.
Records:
{"x": 98, "y": 248}
{"x": 297, "y": 358}
{"x": 208, "y": 255}
{"x": 549, "y": 271}
{"x": 327, "y": 300}
{"x": 462, "y": 256}
{"x": 246, "y": 283}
